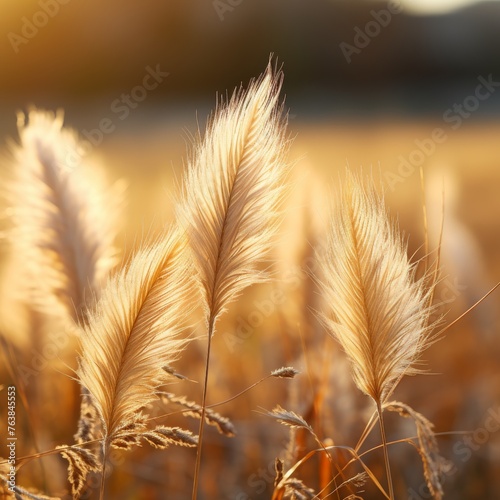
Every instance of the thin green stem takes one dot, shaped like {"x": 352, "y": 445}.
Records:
{"x": 386, "y": 452}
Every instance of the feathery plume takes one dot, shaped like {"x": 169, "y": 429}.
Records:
{"x": 131, "y": 335}
{"x": 62, "y": 230}
{"x": 231, "y": 195}
{"x": 133, "y": 332}
{"x": 232, "y": 191}
{"x": 379, "y": 312}
{"x": 377, "y": 309}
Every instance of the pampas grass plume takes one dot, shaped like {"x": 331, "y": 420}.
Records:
{"x": 232, "y": 191}
{"x": 134, "y": 331}
{"x": 377, "y": 310}
{"x": 65, "y": 218}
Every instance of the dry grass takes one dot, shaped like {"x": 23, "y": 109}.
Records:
{"x": 132, "y": 334}
{"x": 377, "y": 311}
{"x": 227, "y": 220}
{"x": 65, "y": 218}
{"x": 231, "y": 196}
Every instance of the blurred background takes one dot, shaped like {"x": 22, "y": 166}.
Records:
{"x": 387, "y": 87}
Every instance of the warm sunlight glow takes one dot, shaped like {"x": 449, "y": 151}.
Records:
{"x": 434, "y": 6}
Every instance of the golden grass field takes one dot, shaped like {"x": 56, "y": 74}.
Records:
{"x": 275, "y": 325}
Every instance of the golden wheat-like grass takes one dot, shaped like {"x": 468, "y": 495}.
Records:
{"x": 230, "y": 203}
{"x": 435, "y": 466}
{"x": 377, "y": 310}
{"x": 232, "y": 191}
{"x": 134, "y": 331}
{"x": 65, "y": 218}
